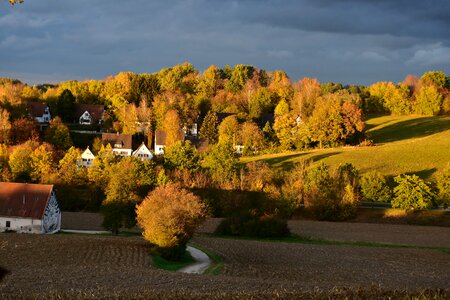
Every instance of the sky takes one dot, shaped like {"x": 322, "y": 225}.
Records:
{"x": 347, "y": 41}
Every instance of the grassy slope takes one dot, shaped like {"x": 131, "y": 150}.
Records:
{"x": 406, "y": 144}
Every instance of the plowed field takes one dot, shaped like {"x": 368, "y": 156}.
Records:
{"x": 85, "y": 266}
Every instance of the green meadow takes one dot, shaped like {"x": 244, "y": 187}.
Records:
{"x": 403, "y": 144}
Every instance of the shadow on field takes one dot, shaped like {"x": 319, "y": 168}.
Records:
{"x": 426, "y": 173}
{"x": 408, "y": 129}
{"x": 318, "y": 157}
{"x": 285, "y": 161}
{"x": 3, "y": 273}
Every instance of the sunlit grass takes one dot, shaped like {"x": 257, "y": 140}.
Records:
{"x": 419, "y": 145}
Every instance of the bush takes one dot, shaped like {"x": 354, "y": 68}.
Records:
{"x": 443, "y": 185}
{"x": 412, "y": 193}
{"x": 374, "y": 187}
{"x": 168, "y": 217}
{"x": 247, "y": 224}
{"x": 332, "y": 197}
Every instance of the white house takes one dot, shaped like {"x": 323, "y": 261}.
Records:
{"x": 143, "y": 153}
{"x": 120, "y": 143}
{"x": 40, "y": 112}
{"x": 89, "y": 114}
{"x": 30, "y": 208}
{"x": 87, "y": 158}
{"x": 160, "y": 142}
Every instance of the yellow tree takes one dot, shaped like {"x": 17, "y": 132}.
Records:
{"x": 5, "y": 126}
{"x": 307, "y": 92}
{"x": 172, "y": 127}
{"x": 168, "y": 217}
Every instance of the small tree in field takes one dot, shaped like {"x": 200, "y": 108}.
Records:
{"x": 412, "y": 193}
{"x": 374, "y": 187}
{"x": 168, "y": 217}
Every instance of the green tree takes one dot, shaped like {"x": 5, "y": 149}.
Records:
{"x": 98, "y": 173}
{"x": 412, "y": 193}
{"x": 436, "y": 78}
{"x": 20, "y": 162}
{"x": 428, "y": 100}
{"x": 66, "y": 106}
{"x": 222, "y": 162}
{"x": 374, "y": 187}
{"x": 58, "y": 134}
{"x": 182, "y": 155}
{"x": 210, "y": 128}
{"x": 239, "y": 76}
{"x": 168, "y": 216}
{"x": 229, "y": 131}
{"x": 443, "y": 185}
{"x": 70, "y": 171}
{"x": 121, "y": 196}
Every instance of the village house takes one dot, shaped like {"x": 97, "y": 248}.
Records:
{"x": 120, "y": 143}
{"x": 143, "y": 153}
{"x": 160, "y": 141}
{"x": 40, "y": 112}
{"x": 87, "y": 158}
{"x": 30, "y": 208}
{"x": 89, "y": 114}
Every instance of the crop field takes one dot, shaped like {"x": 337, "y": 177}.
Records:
{"x": 419, "y": 145}
{"x": 85, "y": 266}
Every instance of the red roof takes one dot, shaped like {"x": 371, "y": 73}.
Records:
{"x": 24, "y": 200}
{"x": 124, "y": 140}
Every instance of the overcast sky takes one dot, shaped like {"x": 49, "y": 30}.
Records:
{"x": 348, "y": 41}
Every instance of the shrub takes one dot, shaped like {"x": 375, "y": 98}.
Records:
{"x": 374, "y": 187}
{"x": 250, "y": 225}
{"x": 443, "y": 185}
{"x": 332, "y": 197}
{"x": 168, "y": 217}
{"x": 412, "y": 193}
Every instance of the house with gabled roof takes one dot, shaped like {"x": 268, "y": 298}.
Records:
{"x": 40, "y": 112}
{"x": 143, "y": 153}
{"x": 30, "y": 208}
{"x": 160, "y": 141}
{"x": 120, "y": 143}
{"x": 87, "y": 158}
{"x": 89, "y": 114}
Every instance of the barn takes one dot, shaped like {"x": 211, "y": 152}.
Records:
{"x": 30, "y": 208}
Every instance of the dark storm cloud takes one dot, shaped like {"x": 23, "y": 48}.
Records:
{"x": 349, "y": 41}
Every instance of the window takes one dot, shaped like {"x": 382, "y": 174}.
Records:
{"x": 8, "y": 224}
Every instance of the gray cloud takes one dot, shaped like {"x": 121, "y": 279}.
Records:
{"x": 348, "y": 41}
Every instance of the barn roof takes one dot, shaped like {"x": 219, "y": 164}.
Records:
{"x": 95, "y": 110}
{"x": 36, "y": 108}
{"x": 24, "y": 200}
{"x": 125, "y": 140}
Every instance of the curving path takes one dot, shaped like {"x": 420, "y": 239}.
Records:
{"x": 202, "y": 262}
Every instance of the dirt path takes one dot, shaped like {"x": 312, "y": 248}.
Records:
{"x": 202, "y": 262}
{"x": 428, "y": 236}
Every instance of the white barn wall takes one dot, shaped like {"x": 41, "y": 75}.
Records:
{"x": 21, "y": 225}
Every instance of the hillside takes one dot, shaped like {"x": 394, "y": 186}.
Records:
{"x": 403, "y": 144}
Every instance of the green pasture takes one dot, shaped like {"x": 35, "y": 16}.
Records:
{"x": 403, "y": 144}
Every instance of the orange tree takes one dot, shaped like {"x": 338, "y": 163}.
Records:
{"x": 168, "y": 217}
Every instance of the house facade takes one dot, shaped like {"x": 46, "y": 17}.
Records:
{"x": 40, "y": 112}
{"x": 120, "y": 143}
{"x": 87, "y": 158}
{"x": 143, "y": 153}
{"x": 89, "y": 114}
{"x": 29, "y": 208}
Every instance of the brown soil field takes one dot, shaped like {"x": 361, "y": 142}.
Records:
{"x": 85, "y": 266}
{"x": 427, "y": 236}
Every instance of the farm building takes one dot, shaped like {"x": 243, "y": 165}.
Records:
{"x": 31, "y": 208}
